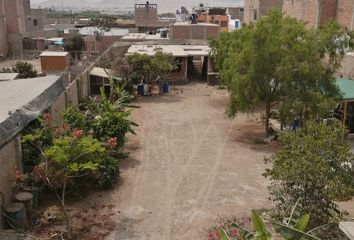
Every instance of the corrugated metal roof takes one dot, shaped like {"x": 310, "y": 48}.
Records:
{"x": 346, "y": 87}
{"x": 101, "y": 72}
{"x": 53, "y": 54}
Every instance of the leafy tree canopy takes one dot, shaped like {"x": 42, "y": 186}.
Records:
{"x": 149, "y": 68}
{"x": 314, "y": 165}
{"x": 278, "y": 61}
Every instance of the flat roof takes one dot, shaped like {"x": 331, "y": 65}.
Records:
{"x": 197, "y": 24}
{"x": 348, "y": 229}
{"x": 57, "y": 39}
{"x": 23, "y": 100}
{"x": 175, "y": 50}
{"x": 101, "y": 72}
{"x": 143, "y": 36}
{"x": 346, "y": 87}
{"x": 8, "y": 76}
{"x": 53, "y": 54}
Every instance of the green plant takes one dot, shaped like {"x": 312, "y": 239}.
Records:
{"x": 149, "y": 68}
{"x": 24, "y": 69}
{"x": 314, "y": 165}
{"x": 277, "y": 60}
{"x": 293, "y": 227}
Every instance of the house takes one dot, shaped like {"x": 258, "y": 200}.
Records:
{"x": 22, "y": 101}
{"x": 147, "y": 19}
{"x": 192, "y": 60}
{"x": 216, "y": 16}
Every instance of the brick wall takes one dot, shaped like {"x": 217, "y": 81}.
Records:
{"x": 304, "y": 10}
{"x": 3, "y": 31}
{"x": 193, "y": 31}
{"x": 255, "y": 9}
{"x": 315, "y": 12}
{"x": 347, "y": 69}
{"x": 146, "y": 15}
{"x": 345, "y": 14}
{"x": 328, "y": 11}
{"x": 15, "y": 16}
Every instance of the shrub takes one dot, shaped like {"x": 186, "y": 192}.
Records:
{"x": 314, "y": 165}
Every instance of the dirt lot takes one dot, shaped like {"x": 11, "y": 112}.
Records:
{"x": 186, "y": 166}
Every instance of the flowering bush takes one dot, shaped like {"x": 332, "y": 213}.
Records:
{"x": 232, "y": 231}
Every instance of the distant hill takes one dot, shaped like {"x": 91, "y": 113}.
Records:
{"x": 164, "y": 6}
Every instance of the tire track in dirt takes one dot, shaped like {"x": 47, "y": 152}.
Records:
{"x": 145, "y": 154}
{"x": 181, "y": 175}
{"x": 204, "y": 196}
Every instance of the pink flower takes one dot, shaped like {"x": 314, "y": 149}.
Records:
{"x": 233, "y": 232}
{"x": 112, "y": 142}
{"x": 77, "y": 133}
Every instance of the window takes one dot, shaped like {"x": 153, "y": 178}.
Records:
{"x": 255, "y": 15}
{"x": 223, "y": 24}
{"x": 35, "y": 23}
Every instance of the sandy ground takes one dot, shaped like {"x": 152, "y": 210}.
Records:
{"x": 187, "y": 166}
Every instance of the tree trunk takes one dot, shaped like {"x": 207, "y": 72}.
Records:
{"x": 267, "y": 115}
{"x": 65, "y": 212}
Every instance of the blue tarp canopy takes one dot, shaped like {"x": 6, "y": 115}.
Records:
{"x": 58, "y": 43}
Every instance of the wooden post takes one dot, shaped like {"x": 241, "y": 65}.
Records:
{"x": 345, "y": 112}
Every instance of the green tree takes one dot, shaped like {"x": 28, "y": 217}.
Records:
{"x": 278, "y": 60}
{"x": 75, "y": 45}
{"x": 149, "y": 68}
{"x": 314, "y": 165}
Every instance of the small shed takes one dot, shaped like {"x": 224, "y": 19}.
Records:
{"x": 54, "y": 62}
{"x": 99, "y": 77}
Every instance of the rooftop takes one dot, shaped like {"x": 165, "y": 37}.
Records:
{"x": 348, "y": 229}
{"x": 175, "y": 50}
{"x": 8, "y": 76}
{"x": 346, "y": 87}
{"x": 197, "y": 24}
{"x": 23, "y": 101}
{"x": 53, "y": 54}
{"x": 101, "y": 72}
{"x": 142, "y": 36}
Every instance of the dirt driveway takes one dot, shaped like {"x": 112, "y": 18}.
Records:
{"x": 186, "y": 167}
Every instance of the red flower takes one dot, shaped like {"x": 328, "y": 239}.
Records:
{"x": 233, "y": 232}
{"x": 112, "y": 142}
{"x": 47, "y": 119}
{"x": 77, "y": 133}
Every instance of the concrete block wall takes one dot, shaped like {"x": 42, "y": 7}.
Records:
{"x": 10, "y": 159}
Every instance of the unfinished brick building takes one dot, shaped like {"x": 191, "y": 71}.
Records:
{"x": 255, "y": 9}
{"x": 146, "y": 17}
{"x": 318, "y": 12}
